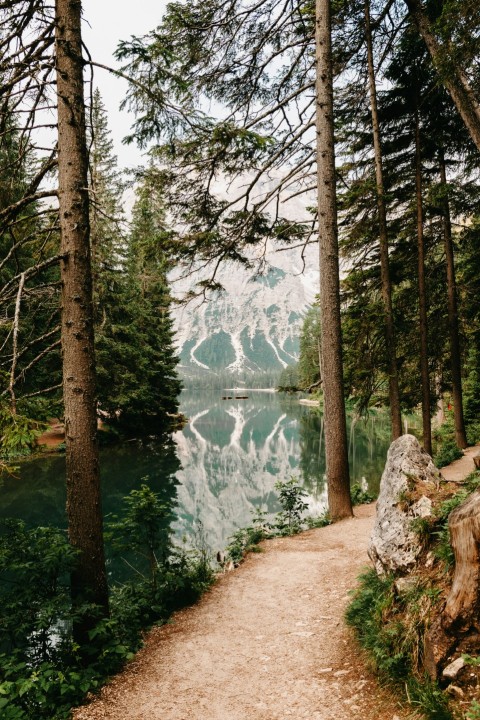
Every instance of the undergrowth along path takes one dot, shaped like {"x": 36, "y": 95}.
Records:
{"x": 267, "y": 642}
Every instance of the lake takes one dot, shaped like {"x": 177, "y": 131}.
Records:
{"x": 221, "y": 467}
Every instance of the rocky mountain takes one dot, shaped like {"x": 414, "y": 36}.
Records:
{"x": 251, "y": 327}
{"x": 254, "y": 325}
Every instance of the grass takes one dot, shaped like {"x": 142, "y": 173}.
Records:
{"x": 391, "y": 628}
{"x": 391, "y": 625}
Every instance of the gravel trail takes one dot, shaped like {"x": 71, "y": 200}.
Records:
{"x": 267, "y": 642}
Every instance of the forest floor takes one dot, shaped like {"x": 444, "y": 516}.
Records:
{"x": 267, "y": 642}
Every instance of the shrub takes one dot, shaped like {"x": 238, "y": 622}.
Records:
{"x": 18, "y": 434}
{"x": 448, "y": 452}
{"x": 42, "y": 671}
{"x": 445, "y": 447}
{"x": 391, "y": 629}
{"x": 289, "y": 521}
{"x": 291, "y": 498}
{"x": 360, "y": 496}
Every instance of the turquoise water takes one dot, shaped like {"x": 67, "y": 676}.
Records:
{"x": 221, "y": 466}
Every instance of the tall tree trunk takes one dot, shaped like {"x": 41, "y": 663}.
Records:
{"x": 16, "y": 330}
{"x": 455, "y": 80}
{"x": 336, "y": 447}
{"x": 88, "y": 581}
{"x": 422, "y": 297}
{"x": 393, "y": 391}
{"x": 456, "y": 367}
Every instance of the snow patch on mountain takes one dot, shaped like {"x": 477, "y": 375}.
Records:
{"x": 254, "y": 325}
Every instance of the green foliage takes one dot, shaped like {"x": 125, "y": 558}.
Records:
{"x": 18, "y": 434}
{"x": 442, "y": 548}
{"x": 446, "y": 449}
{"x": 360, "y": 496}
{"x": 137, "y": 379}
{"x": 472, "y": 482}
{"x": 291, "y": 498}
{"x": 34, "y": 597}
{"x": 289, "y": 380}
{"x": 289, "y": 521}
{"x": 473, "y": 432}
{"x": 474, "y": 711}
{"x": 243, "y": 541}
{"x": 393, "y": 638}
{"x": 448, "y": 452}
{"x": 28, "y": 237}
{"x": 166, "y": 577}
{"x": 471, "y": 660}
{"x": 144, "y": 528}
{"x": 136, "y": 362}
{"x": 42, "y": 671}
{"x": 319, "y": 521}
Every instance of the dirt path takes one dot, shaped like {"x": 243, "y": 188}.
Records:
{"x": 460, "y": 469}
{"x": 268, "y": 642}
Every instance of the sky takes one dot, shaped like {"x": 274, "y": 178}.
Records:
{"x": 106, "y": 22}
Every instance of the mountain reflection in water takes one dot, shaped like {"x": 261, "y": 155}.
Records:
{"x": 220, "y": 468}
{"x": 232, "y": 452}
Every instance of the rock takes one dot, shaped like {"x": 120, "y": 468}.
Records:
{"x": 429, "y": 562}
{"x": 455, "y": 692}
{"x": 405, "y": 584}
{"x": 423, "y": 507}
{"x": 394, "y": 545}
{"x": 452, "y": 670}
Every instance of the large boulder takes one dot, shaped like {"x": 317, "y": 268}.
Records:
{"x": 408, "y": 476}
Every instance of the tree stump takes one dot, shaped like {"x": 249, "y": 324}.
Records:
{"x": 476, "y": 460}
{"x": 460, "y": 616}
{"x": 461, "y": 608}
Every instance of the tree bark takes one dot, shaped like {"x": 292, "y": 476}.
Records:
{"x": 393, "y": 390}
{"x": 422, "y": 297}
{"x": 88, "y": 581}
{"x": 460, "y": 617}
{"x": 461, "y": 609}
{"x": 455, "y": 81}
{"x": 336, "y": 447}
{"x": 455, "y": 357}
{"x": 16, "y": 330}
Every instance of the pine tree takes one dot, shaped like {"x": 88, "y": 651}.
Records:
{"x": 410, "y": 76}
{"x": 107, "y": 218}
{"x": 29, "y": 295}
{"x": 138, "y": 383}
{"x": 88, "y": 580}
{"x": 336, "y": 448}
{"x": 390, "y": 343}
{"x": 450, "y": 39}
{"x": 136, "y": 375}
{"x": 309, "y": 370}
